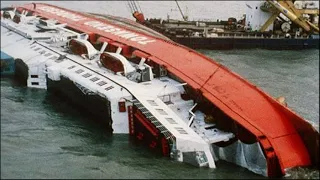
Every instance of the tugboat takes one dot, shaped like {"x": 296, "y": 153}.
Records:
{"x": 266, "y": 24}
{"x": 147, "y": 86}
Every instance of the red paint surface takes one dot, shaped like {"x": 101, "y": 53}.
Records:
{"x": 122, "y": 106}
{"x": 130, "y": 119}
{"x": 145, "y": 122}
{"x": 77, "y": 48}
{"x": 111, "y": 63}
{"x": 245, "y": 103}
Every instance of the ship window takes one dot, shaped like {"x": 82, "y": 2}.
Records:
{"x": 79, "y": 71}
{"x": 152, "y": 102}
{"x": 71, "y": 37}
{"x": 42, "y": 52}
{"x": 171, "y": 121}
{"x": 108, "y": 88}
{"x": 33, "y": 46}
{"x": 34, "y": 76}
{"x": 71, "y": 67}
{"x": 94, "y": 79}
{"x": 56, "y": 59}
{"x": 48, "y": 54}
{"x": 164, "y": 80}
{"x": 181, "y": 130}
{"x": 101, "y": 83}
{"x": 87, "y": 75}
{"x": 161, "y": 111}
{"x": 34, "y": 83}
{"x": 36, "y": 49}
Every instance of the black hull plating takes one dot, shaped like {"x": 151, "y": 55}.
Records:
{"x": 95, "y": 105}
{"x": 21, "y": 71}
{"x": 246, "y": 43}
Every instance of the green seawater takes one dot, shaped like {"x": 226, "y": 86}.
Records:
{"x": 43, "y": 136}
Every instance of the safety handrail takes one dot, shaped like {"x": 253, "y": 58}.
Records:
{"x": 192, "y": 115}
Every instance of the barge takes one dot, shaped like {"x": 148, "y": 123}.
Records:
{"x": 267, "y": 24}
{"x": 145, "y": 85}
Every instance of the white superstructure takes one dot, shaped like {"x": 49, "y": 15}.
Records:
{"x": 255, "y": 17}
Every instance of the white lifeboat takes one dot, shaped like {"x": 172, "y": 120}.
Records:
{"x": 116, "y": 63}
{"x": 82, "y": 47}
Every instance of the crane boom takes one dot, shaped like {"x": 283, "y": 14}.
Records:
{"x": 287, "y": 8}
{"x": 183, "y": 17}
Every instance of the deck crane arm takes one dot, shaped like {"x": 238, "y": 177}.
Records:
{"x": 269, "y": 21}
{"x": 287, "y": 8}
{"x": 136, "y": 12}
{"x": 183, "y": 16}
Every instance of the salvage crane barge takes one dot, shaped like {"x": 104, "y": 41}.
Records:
{"x": 178, "y": 101}
{"x": 267, "y": 24}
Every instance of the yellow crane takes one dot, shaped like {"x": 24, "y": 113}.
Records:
{"x": 288, "y": 9}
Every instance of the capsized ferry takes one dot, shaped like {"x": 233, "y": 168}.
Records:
{"x": 177, "y": 101}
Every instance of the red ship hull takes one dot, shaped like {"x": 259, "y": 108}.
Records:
{"x": 286, "y": 138}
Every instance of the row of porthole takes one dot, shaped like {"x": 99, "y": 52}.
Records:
{"x": 94, "y": 79}
{"x": 36, "y": 48}
{"x": 102, "y": 83}
{"x": 172, "y": 121}
{"x": 181, "y": 130}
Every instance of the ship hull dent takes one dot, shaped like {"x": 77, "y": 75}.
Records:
{"x": 92, "y": 103}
